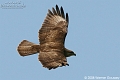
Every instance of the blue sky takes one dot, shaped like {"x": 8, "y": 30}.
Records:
{"x": 94, "y": 35}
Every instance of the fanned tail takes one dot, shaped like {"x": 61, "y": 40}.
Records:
{"x": 27, "y": 48}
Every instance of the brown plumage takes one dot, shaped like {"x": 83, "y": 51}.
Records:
{"x": 52, "y": 53}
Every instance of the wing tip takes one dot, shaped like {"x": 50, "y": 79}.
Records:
{"x": 57, "y": 11}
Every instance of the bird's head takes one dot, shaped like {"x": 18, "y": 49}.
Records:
{"x": 69, "y": 53}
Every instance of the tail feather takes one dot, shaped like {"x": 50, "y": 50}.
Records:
{"x": 26, "y": 48}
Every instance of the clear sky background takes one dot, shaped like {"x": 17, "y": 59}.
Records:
{"x": 94, "y": 35}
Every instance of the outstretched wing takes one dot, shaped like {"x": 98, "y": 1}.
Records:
{"x": 54, "y": 21}
{"x": 52, "y": 37}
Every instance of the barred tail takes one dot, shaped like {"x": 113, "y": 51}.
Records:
{"x": 27, "y": 48}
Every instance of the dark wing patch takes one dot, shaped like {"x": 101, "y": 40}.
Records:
{"x": 55, "y": 13}
{"x": 62, "y": 13}
{"x": 67, "y": 18}
{"x": 58, "y": 11}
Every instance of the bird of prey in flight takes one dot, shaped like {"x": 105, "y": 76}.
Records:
{"x": 51, "y": 49}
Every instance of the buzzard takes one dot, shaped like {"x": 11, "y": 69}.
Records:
{"x": 52, "y": 52}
